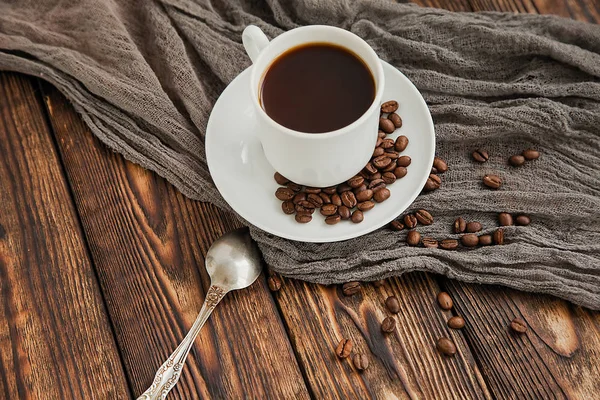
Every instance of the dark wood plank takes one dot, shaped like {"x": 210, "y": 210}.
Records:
{"x": 450, "y": 5}
{"x": 582, "y": 10}
{"x": 519, "y": 6}
{"x": 55, "y": 338}
{"x": 148, "y": 242}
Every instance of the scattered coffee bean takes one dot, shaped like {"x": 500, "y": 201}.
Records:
{"x": 456, "y": 322}
{"x": 333, "y": 219}
{"x": 379, "y": 142}
{"x": 449, "y": 244}
{"x": 388, "y": 178}
{"x": 392, "y": 154}
{"x": 359, "y": 189}
{"x": 365, "y": 205}
{"x": 396, "y": 225}
{"x": 351, "y": 288}
{"x": 444, "y": 300}
{"x": 375, "y": 176}
{"x": 446, "y": 347}
{"x": 481, "y": 155}
{"x": 413, "y": 238}
{"x": 356, "y": 181}
{"x": 284, "y": 194}
{"x": 329, "y": 209}
{"x": 485, "y": 240}
{"x": 392, "y": 304}
{"x": 388, "y": 325}
{"x": 460, "y": 225}
{"x": 381, "y": 134}
{"x": 387, "y": 144}
{"x": 364, "y": 195}
{"x": 305, "y": 204}
{"x": 492, "y": 181}
{"x": 389, "y": 106}
{"x": 386, "y": 125}
{"x": 344, "y": 187}
{"x": 381, "y": 162}
{"x": 498, "y": 236}
{"x": 280, "y": 179}
{"x": 469, "y": 240}
{"x": 348, "y": 199}
{"x": 288, "y": 207}
{"x": 357, "y": 216}
{"x": 381, "y": 195}
{"x": 531, "y": 154}
{"x": 294, "y": 187}
{"x": 325, "y": 197}
{"x": 440, "y": 165}
{"x": 378, "y": 151}
{"x": 433, "y": 183}
{"x": 424, "y": 217}
{"x": 518, "y": 325}
{"x": 505, "y": 219}
{"x": 274, "y": 283}
{"x": 523, "y": 220}
{"x": 379, "y": 283}
{"x": 331, "y": 190}
{"x": 400, "y": 172}
{"x": 401, "y": 143}
{"x": 516, "y": 160}
{"x": 376, "y": 184}
{"x": 315, "y": 200}
{"x": 344, "y": 212}
{"x": 303, "y": 218}
{"x": 312, "y": 190}
{"x": 430, "y": 243}
{"x": 360, "y": 361}
{"x": 396, "y": 120}
{"x": 344, "y": 348}
{"x": 390, "y": 168}
{"x": 300, "y": 209}
{"x": 404, "y": 161}
{"x": 433, "y": 170}
{"x": 473, "y": 227}
{"x": 370, "y": 168}
{"x": 410, "y": 221}
{"x": 336, "y": 199}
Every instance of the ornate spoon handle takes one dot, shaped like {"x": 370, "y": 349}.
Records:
{"x": 168, "y": 374}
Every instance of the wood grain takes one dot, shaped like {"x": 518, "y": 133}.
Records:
{"x": 148, "y": 243}
{"x": 582, "y": 10}
{"x": 55, "y": 337}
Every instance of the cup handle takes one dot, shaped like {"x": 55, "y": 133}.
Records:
{"x": 254, "y": 41}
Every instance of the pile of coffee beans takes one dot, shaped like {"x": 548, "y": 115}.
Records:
{"x": 359, "y": 194}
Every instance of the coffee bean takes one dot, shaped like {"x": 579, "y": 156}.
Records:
{"x": 498, "y": 236}
{"x": 433, "y": 183}
{"x": 312, "y": 190}
{"x": 357, "y": 216}
{"x": 365, "y": 205}
{"x": 400, "y": 172}
{"x": 344, "y": 348}
{"x": 445, "y": 301}
{"x": 518, "y": 325}
{"x": 386, "y": 125}
{"x": 389, "y": 106}
{"x": 381, "y": 162}
{"x": 391, "y": 154}
{"x": 388, "y": 325}
{"x": 378, "y": 151}
{"x": 298, "y": 197}
{"x": 315, "y": 200}
{"x": 460, "y": 225}
{"x": 301, "y": 209}
{"x": 391, "y": 166}
{"x": 531, "y": 154}
{"x": 381, "y": 134}
{"x": 274, "y": 283}
{"x": 375, "y": 176}
{"x": 378, "y": 142}
{"x": 336, "y": 199}
{"x": 284, "y": 194}
{"x": 492, "y": 181}
{"x": 348, "y": 199}
{"x": 456, "y": 322}
{"x": 288, "y": 207}
{"x": 325, "y": 197}
{"x": 473, "y": 227}
{"x": 343, "y": 187}
{"x": 294, "y": 186}
{"x": 396, "y": 225}
{"x": 396, "y": 120}
{"x": 360, "y": 361}
{"x": 440, "y": 165}
{"x": 424, "y": 217}
{"x": 413, "y": 238}
{"x": 410, "y": 221}
{"x": 485, "y": 240}
{"x": 364, "y": 195}
{"x": 387, "y": 144}
{"x": 370, "y": 168}
{"x": 433, "y": 170}
{"x": 523, "y": 220}
{"x": 303, "y": 218}
{"x": 392, "y": 304}
{"x": 430, "y": 243}
{"x": 388, "y": 178}
{"x": 403, "y": 161}
{"x": 329, "y": 209}
{"x": 356, "y": 181}
{"x": 381, "y": 195}
{"x": 376, "y": 185}
{"x": 379, "y": 283}
{"x": 446, "y": 347}
{"x": 282, "y": 180}
{"x": 351, "y": 288}
{"x": 344, "y": 212}
{"x": 505, "y": 219}
{"x": 360, "y": 188}
{"x": 330, "y": 190}
{"x": 449, "y": 244}
{"x": 481, "y": 155}
{"x": 401, "y": 143}
{"x": 305, "y": 204}
{"x": 333, "y": 219}
{"x": 516, "y": 160}
{"x": 469, "y": 240}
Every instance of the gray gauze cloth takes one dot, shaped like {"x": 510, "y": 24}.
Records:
{"x": 145, "y": 74}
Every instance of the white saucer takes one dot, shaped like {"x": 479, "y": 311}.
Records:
{"x": 245, "y": 178}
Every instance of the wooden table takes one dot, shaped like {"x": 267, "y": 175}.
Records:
{"x": 102, "y": 273}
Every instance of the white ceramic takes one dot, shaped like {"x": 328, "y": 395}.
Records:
{"x": 313, "y": 159}
{"x": 245, "y": 178}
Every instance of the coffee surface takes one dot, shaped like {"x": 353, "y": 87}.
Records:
{"x": 317, "y": 88}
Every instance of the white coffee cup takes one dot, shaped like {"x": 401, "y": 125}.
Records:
{"x": 324, "y": 159}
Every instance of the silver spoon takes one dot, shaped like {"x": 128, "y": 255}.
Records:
{"x": 233, "y": 262}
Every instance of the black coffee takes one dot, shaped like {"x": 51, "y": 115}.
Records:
{"x": 317, "y": 88}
